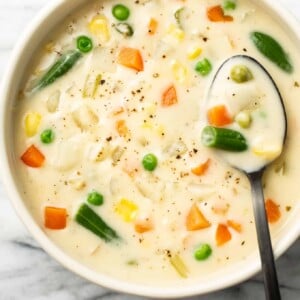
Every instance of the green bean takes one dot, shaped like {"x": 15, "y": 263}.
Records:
{"x": 62, "y": 66}
{"x": 224, "y": 139}
{"x": 271, "y": 49}
{"x": 87, "y": 218}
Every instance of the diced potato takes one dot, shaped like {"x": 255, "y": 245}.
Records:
{"x": 67, "y": 154}
{"x": 32, "y": 123}
{"x": 99, "y": 26}
{"x": 177, "y": 148}
{"x": 179, "y": 70}
{"x": 53, "y": 102}
{"x": 84, "y": 117}
{"x": 194, "y": 52}
{"x": 126, "y": 209}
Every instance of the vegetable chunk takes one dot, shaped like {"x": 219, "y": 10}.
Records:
{"x": 195, "y": 220}
{"x": 55, "y": 217}
{"x": 131, "y": 58}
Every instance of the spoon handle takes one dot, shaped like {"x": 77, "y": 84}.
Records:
{"x": 263, "y": 236}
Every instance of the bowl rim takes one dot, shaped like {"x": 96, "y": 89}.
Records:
{"x": 53, "y": 250}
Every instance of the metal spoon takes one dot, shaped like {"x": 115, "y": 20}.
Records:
{"x": 255, "y": 177}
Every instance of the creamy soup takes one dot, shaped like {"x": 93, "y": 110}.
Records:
{"x": 244, "y": 99}
{"x": 108, "y": 136}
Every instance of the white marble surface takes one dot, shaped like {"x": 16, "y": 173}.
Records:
{"x": 26, "y": 272}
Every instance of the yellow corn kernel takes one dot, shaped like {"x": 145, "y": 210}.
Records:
{"x": 176, "y": 32}
{"x": 180, "y": 71}
{"x": 194, "y": 52}
{"x": 32, "y": 122}
{"x": 160, "y": 129}
{"x": 147, "y": 125}
{"x": 267, "y": 152}
{"x": 151, "y": 108}
{"x": 99, "y": 27}
{"x": 126, "y": 209}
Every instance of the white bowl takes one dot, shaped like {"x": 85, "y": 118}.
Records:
{"x": 51, "y": 16}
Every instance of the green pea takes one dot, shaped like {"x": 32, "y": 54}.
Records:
{"x": 203, "y": 252}
{"x": 229, "y": 5}
{"x": 95, "y": 198}
{"x": 203, "y": 67}
{"x": 121, "y": 12}
{"x": 244, "y": 119}
{"x": 47, "y": 136}
{"x": 84, "y": 44}
{"x": 149, "y": 162}
{"x": 241, "y": 74}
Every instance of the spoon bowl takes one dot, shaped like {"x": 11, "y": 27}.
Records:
{"x": 253, "y": 144}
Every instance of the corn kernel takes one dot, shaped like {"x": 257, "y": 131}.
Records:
{"x": 269, "y": 153}
{"x": 180, "y": 71}
{"x": 32, "y": 123}
{"x": 126, "y": 209}
{"x": 99, "y": 27}
{"x": 176, "y": 32}
{"x": 160, "y": 129}
{"x": 151, "y": 108}
{"x": 147, "y": 125}
{"x": 194, "y": 52}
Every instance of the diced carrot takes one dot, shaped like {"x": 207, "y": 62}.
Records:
{"x": 169, "y": 96}
{"x": 32, "y": 157}
{"x": 201, "y": 169}
{"x": 118, "y": 110}
{"x": 131, "y": 58}
{"x": 195, "y": 220}
{"x": 152, "y": 27}
{"x": 235, "y": 225}
{"x": 142, "y": 226}
{"x": 216, "y": 14}
{"x": 223, "y": 235}
{"x": 272, "y": 210}
{"x": 55, "y": 217}
{"x": 219, "y": 116}
{"x": 122, "y": 128}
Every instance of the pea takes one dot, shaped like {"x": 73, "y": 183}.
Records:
{"x": 229, "y": 5}
{"x": 84, "y": 44}
{"x": 203, "y": 252}
{"x": 149, "y": 162}
{"x": 241, "y": 74}
{"x": 95, "y": 198}
{"x": 47, "y": 136}
{"x": 244, "y": 119}
{"x": 203, "y": 67}
{"x": 121, "y": 12}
